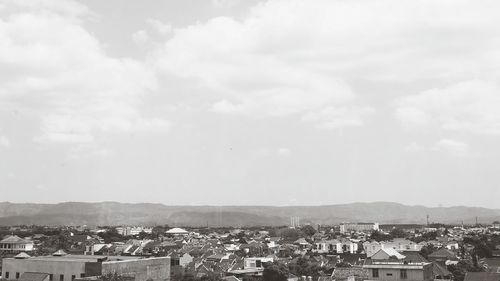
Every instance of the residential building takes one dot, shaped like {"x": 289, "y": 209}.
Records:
{"x": 390, "y": 265}
{"x": 397, "y": 244}
{"x": 442, "y": 255}
{"x": 336, "y": 246}
{"x": 256, "y": 263}
{"x": 15, "y": 244}
{"x": 131, "y": 231}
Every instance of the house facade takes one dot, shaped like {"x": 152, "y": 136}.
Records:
{"x": 15, "y": 244}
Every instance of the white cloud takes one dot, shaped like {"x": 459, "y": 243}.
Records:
{"x": 467, "y": 107}
{"x": 140, "y": 37}
{"x": 88, "y": 150}
{"x": 293, "y": 57}
{"x": 160, "y": 27}
{"x": 284, "y": 151}
{"x": 4, "y": 141}
{"x": 224, "y": 3}
{"x": 53, "y": 66}
{"x": 69, "y": 9}
{"x": 338, "y": 117}
{"x": 414, "y": 147}
{"x": 453, "y": 147}
{"x": 240, "y": 79}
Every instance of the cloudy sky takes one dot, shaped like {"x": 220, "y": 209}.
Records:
{"x": 279, "y": 102}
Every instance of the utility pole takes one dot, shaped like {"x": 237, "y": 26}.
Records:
{"x": 427, "y": 220}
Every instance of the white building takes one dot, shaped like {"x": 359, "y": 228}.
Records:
{"x": 358, "y": 227}
{"x": 398, "y": 244}
{"x": 15, "y": 244}
{"x": 336, "y": 246}
{"x": 256, "y": 263}
{"x": 131, "y": 231}
{"x": 177, "y": 231}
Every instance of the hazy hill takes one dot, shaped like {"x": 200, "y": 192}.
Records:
{"x": 113, "y": 213}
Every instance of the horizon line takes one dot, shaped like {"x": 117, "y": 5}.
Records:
{"x": 252, "y": 205}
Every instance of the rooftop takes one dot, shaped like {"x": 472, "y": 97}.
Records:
{"x": 79, "y": 258}
{"x": 14, "y": 239}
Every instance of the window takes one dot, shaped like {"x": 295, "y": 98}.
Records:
{"x": 73, "y": 277}
{"x": 375, "y": 272}
{"x": 51, "y": 277}
{"x": 61, "y": 277}
{"x": 82, "y": 275}
{"x": 389, "y": 274}
{"x": 17, "y": 275}
{"x": 258, "y": 263}
{"x": 403, "y": 274}
{"x": 6, "y": 275}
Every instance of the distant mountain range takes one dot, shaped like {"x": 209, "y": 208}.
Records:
{"x": 114, "y": 213}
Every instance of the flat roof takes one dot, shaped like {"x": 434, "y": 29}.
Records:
{"x": 80, "y": 258}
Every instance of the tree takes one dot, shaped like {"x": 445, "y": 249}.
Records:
{"x": 482, "y": 250}
{"x": 461, "y": 268}
{"x": 398, "y": 233}
{"x": 304, "y": 267}
{"x": 360, "y": 248}
{"x": 427, "y": 250}
{"x": 159, "y": 230}
{"x": 379, "y": 236}
{"x": 308, "y": 230}
{"x": 111, "y": 235}
{"x": 291, "y": 234}
{"x": 275, "y": 272}
{"x": 114, "y": 277}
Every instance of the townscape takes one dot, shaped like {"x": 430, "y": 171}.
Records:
{"x": 345, "y": 252}
{"x": 249, "y": 140}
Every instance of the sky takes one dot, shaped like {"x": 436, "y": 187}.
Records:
{"x": 250, "y": 102}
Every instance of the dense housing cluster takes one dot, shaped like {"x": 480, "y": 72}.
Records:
{"x": 349, "y": 251}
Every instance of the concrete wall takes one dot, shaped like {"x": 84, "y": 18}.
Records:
{"x": 391, "y": 274}
{"x": 156, "y": 269}
{"x": 56, "y": 268}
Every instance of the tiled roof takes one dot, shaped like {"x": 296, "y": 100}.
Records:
{"x": 482, "y": 276}
{"x": 438, "y": 270}
{"x": 413, "y": 256}
{"x": 443, "y": 252}
{"x": 13, "y": 239}
{"x": 344, "y": 272}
